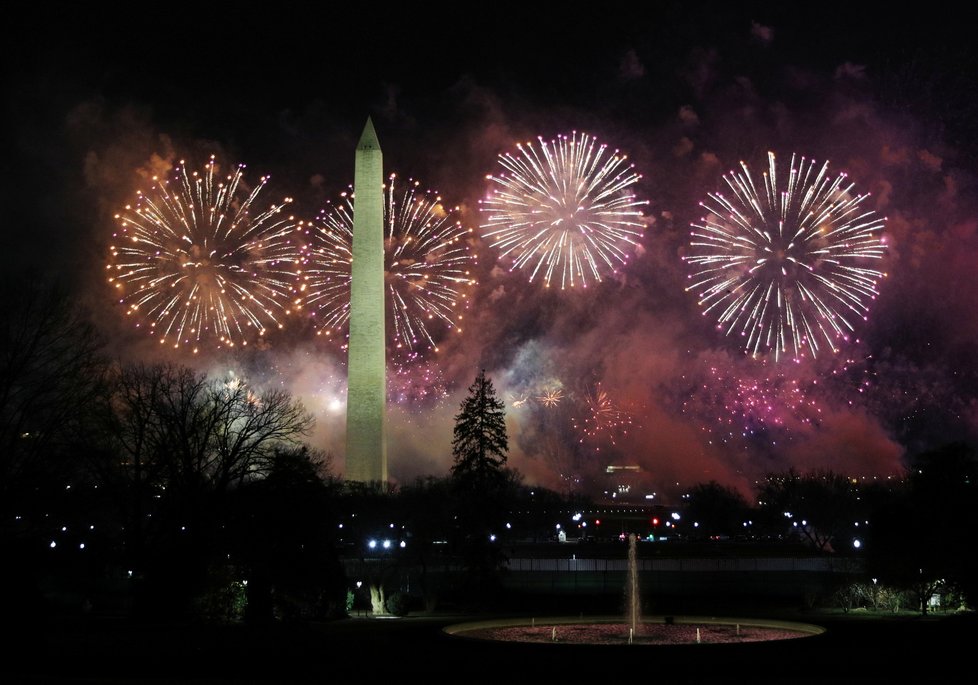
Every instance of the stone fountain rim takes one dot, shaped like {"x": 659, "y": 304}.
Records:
{"x": 459, "y": 629}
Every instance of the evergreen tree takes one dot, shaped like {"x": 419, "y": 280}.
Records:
{"x": 480, "y": 489}
{"x": 480, "y": 444}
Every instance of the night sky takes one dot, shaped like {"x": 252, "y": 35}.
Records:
{"x": 91, "y": 112}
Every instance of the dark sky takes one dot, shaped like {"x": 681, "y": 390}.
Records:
{"x": 93, "y": 103}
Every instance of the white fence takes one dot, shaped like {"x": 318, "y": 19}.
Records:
{"x": 811, "y": 564}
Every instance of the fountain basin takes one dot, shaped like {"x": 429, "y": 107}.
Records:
{"x": 653, "y": 630}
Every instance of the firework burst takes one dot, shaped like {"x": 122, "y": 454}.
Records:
{"x": 563, "y": 210}
{"x": 198, "y": 260}
{"x": 551, "y": 397}
{"x": 427, "y": 266}
{"x": 602, "y": 421}
{"x": 787, "y": 264}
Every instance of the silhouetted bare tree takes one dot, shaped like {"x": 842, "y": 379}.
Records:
{"x": 176, "y": 445}
{"x": 50, "y": 367}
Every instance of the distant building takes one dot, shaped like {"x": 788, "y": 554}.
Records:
{"x": 621, "y": 483}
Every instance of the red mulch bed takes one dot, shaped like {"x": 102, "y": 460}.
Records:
{"x": 647, "y": 634}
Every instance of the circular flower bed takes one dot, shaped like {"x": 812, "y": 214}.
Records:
{"x": 654, "y": 632}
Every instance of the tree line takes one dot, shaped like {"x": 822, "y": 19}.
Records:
{"x": 915, "y": 533}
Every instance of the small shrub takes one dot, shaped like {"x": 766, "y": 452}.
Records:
{"x": 223, "y": 602}
{"x": 397, "y": 604}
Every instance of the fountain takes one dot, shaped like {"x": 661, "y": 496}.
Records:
{"x": 633, "y": 603}
{"x": 660, "y": 630}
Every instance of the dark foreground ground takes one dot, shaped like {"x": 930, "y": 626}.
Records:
{"x": 116, "y": 650}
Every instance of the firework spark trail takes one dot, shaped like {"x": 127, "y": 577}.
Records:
{"x": 603, "y": 419}
{"x": 788, "y": 269}
{"x": 416, "y": 383}
{"x": 563, "y": 210}
{"x": 551, "y": 397}
{"x": 752, "y": 407}
{"x": 196, "y": 259}
{"x": 427, "y": 266}
{"x": 743, "y": 411}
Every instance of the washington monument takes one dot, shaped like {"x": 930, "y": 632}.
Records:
{"x": 366, "y": 403}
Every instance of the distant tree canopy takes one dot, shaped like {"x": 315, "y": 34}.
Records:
{"x": 717, "y": 509}
{"x": 820, "y": 506}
